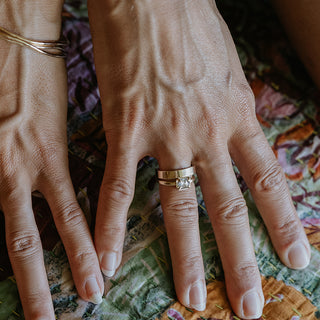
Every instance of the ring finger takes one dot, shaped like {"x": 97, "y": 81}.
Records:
{"x": 180, "y": 209}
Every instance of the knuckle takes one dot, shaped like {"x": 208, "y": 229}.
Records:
{"x": 270, "y": 180}
{"x": 12, "y": 193}
{"x": 211, "y": 128}
{"x": 55, "y": 173}
{"x": 22, "y": 244}
{"x": 191, "y": 261}
{"x": 81, "y": 258}
{"x": 244, "y": 272}
{"x": 40, "y": 302}
{"x": 245, "y": 93}
{"x": 131, "y": 117}
{"x": 248, "y": 132}
{"x": 111, "y": 235}
{"x": 112, "y": 231}
{"x": 70, "y": 214}
{"x": 118, "y": 189}
{"x": 246, "y": 100}
{"x": 287, "y": 230}
{"x": 9, "y": 185}
{"x": 46, "y": 156}
{"x": 8, "y": 174}
{"x": 232, "y": 211}
{"x": 186, "y": 209}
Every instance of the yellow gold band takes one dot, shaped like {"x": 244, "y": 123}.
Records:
{"x": 56, "y": 49}
{"x": 174, "y": 174}
{"x": 181, "y": 179}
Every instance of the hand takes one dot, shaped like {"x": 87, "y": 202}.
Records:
{"x": 172, "y": 87}
{"x": 33, "y": 156}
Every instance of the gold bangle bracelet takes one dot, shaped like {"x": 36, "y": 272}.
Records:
{"x": 56, "y": 49}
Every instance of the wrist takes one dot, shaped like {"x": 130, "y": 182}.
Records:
{"x": 36, "y": 20}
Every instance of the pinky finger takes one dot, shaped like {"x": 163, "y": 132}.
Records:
{"x": 265, "y": 178}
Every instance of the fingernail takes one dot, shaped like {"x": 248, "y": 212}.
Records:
{"x": 198, "y": 295}
{"x": 93, "y": 291}
{"x": 298, "y": 256}
{"x": 108, "y": 264}
{"x": 251, "y": 305}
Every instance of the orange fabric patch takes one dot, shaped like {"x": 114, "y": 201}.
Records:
{"x": 299, "y": 132}
{"x": 282, "y": 302}
{"x": 257, "y": 85}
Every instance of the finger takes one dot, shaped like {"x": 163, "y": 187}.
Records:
{"x": 115, "y": 197}
{"x": 26, "y": 256}
{"x": 75, "y": 234}
{"x": 228, "y": 213}
{"x": 180, "y": 209}
{"x": 267, "y": 182}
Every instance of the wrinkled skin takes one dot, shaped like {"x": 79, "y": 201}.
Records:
{"x": 172, "y": 87}
{"x": 33, "y": 156}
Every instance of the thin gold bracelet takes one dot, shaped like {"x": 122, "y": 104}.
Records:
{"x": 56, "y": 49}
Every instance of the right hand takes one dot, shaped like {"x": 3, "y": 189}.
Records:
{"x": 33, "y": 156}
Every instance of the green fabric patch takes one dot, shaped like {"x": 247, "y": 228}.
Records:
{"x": 9, "y": 301}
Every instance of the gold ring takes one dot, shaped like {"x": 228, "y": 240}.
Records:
{"x": 181, "y": 179}
{"x": 174, "y": 174}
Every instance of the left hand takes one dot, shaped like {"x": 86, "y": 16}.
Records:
{"x": 172, "y": 87}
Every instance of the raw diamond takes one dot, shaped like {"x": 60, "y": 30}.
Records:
{"x": 183, "y": 183}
